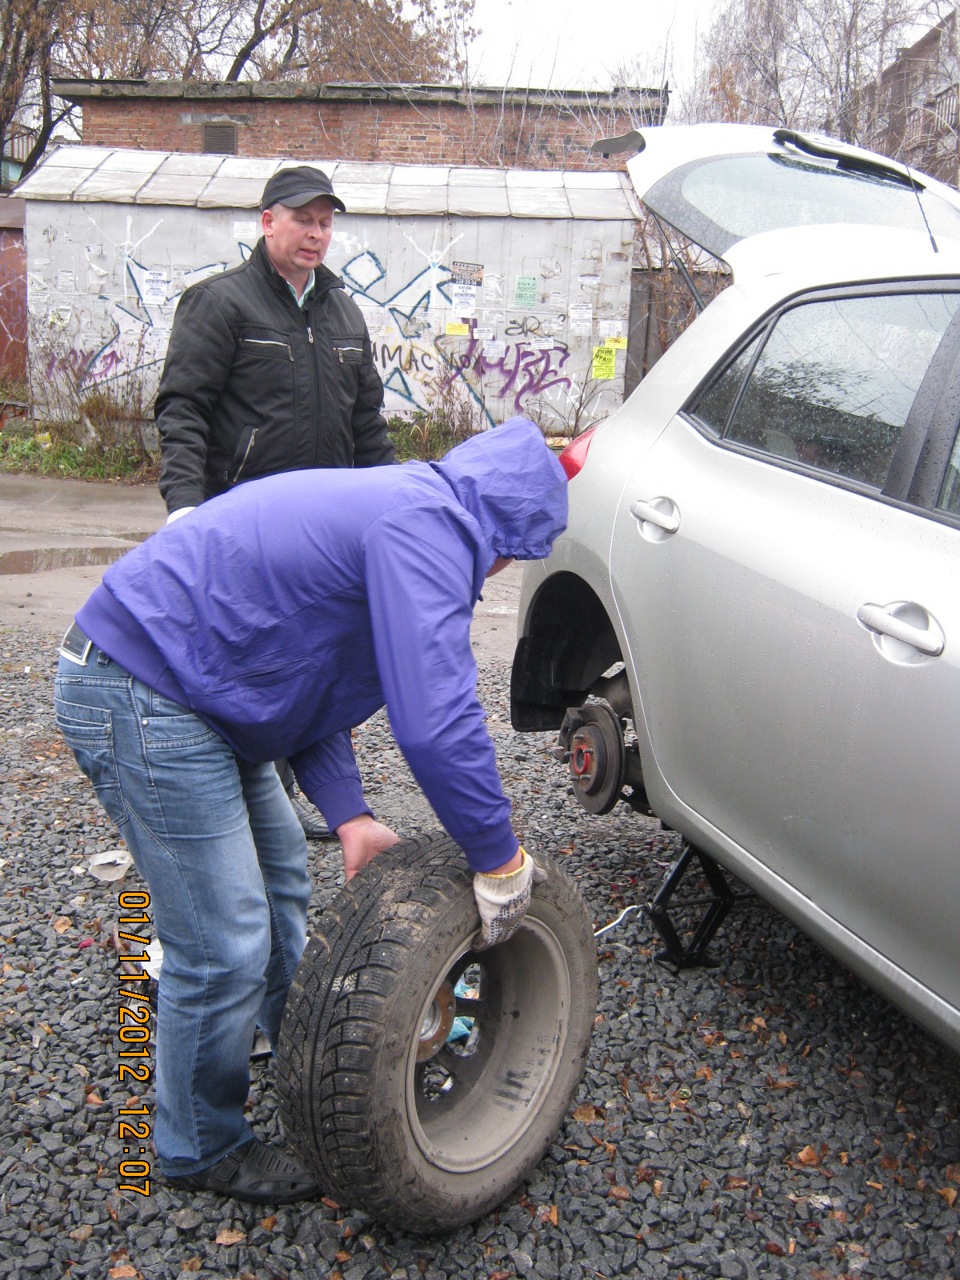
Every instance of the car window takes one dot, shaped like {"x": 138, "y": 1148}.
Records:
{"x": 719, "y": 200}
{"x": 949, "y": 499}
{"x": 834, "y": 382}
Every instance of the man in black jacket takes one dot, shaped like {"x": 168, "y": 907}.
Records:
{"x": 269, "y": 366}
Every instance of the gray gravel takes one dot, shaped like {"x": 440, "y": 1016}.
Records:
{"x": 770, "y": 1117}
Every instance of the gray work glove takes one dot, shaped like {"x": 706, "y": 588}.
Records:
{"x": 503, "y": 900}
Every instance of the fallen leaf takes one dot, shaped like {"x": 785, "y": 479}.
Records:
{"x": 733, "y": 1183}
{"x": 61, "y": 924}
{"x": 808, "y": 1156}
{"x": 93, "y": 1099}
{"x": 191, "y": 1264}
{"x": 550, "y": 1214}
{"x": 952, "y": 1173}
{"x": 949, "y": 1195}
{"x": 704, "y": 1073}
{"x": 500, "y": 1275}
{"x": 269, "y": 1223}
{"x": 620, "y": 1193}
{"x": 587, "y": 1113}
{"x": 125, "y": 1272}
{"x": 342, "y": 1256}
{"x": 230, "y": 1235}
{"x": 772, "y": 1247}
{"x": 82, "y": 1233}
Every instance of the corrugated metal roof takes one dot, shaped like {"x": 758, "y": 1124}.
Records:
{"x": 117, "y": 176}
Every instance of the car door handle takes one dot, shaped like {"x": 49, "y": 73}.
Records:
{"x": 659, "y": 511}
{"x": 876, "y": 618}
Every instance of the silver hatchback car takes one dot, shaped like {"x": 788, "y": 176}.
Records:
{"x": 751, "y": 627}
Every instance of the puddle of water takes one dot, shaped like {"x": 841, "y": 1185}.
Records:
{"x": 42, "y": 558}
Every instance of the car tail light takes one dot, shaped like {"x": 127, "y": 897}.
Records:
{"x": 575, "y": 454}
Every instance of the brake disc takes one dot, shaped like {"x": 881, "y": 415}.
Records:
{"x": 597, "y": 757}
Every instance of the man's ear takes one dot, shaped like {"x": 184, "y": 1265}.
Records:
{"x": 266, "y": 221}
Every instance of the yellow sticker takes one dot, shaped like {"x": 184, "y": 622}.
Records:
{"x": 456, "y": 329}
{"x": 604, "y": 362}
{"x": 616, "y": 341}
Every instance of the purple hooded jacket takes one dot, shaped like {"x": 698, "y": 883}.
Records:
{"x": 286, "y": 612}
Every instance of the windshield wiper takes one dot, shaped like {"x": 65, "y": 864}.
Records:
{"x": 903, "y": 175}
{"x": 854, "y": 162}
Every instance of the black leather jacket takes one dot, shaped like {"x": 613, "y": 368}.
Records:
{"x": 253, "y": 385}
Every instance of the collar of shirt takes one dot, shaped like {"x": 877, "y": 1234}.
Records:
{"x": 301, "y": 298}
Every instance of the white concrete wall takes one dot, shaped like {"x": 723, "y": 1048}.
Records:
{"x": 104, "y": 279}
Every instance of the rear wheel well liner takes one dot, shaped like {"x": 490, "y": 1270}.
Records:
{"x": 568, "y": 645}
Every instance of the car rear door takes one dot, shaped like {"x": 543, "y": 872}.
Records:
{"x": 791, "y": 601}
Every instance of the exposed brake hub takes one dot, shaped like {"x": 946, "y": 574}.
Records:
{"x": 591, "y": 745}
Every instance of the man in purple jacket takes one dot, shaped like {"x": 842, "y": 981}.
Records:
{"x": 269, "y": 622}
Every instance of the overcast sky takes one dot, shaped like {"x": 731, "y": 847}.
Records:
{"x": 569, "y": 44}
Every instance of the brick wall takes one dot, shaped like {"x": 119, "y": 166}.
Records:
{"x": 545, "y": 133}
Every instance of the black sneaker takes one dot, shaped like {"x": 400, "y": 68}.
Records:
{"x": 254, "y": 1172}
{"x": 314, "y": 827}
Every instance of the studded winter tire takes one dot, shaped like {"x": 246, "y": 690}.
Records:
{"x": 421, "y": 1081}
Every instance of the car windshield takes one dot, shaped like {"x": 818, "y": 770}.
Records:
{"x": 723, "y": 199}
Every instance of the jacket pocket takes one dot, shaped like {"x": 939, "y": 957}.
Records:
{"x": 347, "y": 350}
{"x": 241, "y": 455}
{"x": 269, "y": 348}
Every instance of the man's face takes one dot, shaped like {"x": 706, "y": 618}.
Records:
{"x": 297, "y": 239}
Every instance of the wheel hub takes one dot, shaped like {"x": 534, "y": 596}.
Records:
{"x": 437, "y": 1022}
{"x": 597, "y": 757}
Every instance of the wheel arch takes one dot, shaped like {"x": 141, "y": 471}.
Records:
{"x": 568, "y": 642}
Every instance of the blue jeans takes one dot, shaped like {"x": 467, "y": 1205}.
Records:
{"x": 225, "y": 860}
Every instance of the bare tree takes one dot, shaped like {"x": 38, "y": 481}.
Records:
{"x": 384, "y": 41}
{"x": 397, "y": 41}
{"x": 27, "y": 31}
{"x": 808, "y": 64}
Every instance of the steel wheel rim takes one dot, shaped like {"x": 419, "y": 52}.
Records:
{"x": 469, "y": 1106}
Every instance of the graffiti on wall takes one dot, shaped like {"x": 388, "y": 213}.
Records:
{"x": 448, "y": 328}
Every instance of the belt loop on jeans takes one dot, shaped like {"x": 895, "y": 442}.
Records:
{"x": 75, "y": 646}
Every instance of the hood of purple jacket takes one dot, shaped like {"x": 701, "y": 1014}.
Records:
{"x": 510, "y": 481}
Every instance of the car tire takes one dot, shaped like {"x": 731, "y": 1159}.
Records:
{"x": 421, "y": 1081}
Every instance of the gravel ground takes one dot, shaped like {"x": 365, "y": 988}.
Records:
{"x": 770, "y": 1117}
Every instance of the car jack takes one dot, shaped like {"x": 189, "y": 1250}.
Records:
{"x": 719, "y": 902}
{"x": 677, "y": 954}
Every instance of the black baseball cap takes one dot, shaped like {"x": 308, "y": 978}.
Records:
{"x": 296, "y": 187}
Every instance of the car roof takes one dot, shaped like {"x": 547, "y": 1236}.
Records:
{"x": 722, "y": 184}
{"x": 791, "y": 259}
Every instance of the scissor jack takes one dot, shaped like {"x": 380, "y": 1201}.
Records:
{"x": 721, "y": 899}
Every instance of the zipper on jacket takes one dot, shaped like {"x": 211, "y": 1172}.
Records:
{"x": 246, "y": 454}
{"x": 341, "y": 350}
{"x": 269, "y": 342}
{"x": 310, "y": 335}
